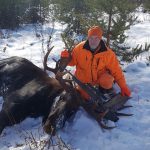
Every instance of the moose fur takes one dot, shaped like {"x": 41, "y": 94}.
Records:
{"x": 26, "y": 89}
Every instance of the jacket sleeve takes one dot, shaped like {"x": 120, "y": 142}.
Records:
{"x": 114, "y": 67}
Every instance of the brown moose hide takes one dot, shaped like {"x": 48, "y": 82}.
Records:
{"x": 26, "y": 89}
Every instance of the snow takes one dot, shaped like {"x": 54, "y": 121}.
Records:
{"x": 83, "y": 133}
{"x": 139, "y": 33}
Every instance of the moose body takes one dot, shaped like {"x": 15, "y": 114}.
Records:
{"x": 27, "y": 91}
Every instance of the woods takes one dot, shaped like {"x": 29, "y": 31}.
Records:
{"x": 115, "y": 17}
{"x": 30, "y": 87}
{"x": 13, "y": 13}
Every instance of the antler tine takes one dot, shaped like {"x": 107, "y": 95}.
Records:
{"x": 57, "y": 64}
{"x": 45, "y": 62}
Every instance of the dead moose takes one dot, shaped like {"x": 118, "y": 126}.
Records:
{"x": 29, "y": 92}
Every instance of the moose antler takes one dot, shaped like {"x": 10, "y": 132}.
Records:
{"x": 60, "y": 65}
{"x": 45, "y": 62}
{"x": 62, "y": 62}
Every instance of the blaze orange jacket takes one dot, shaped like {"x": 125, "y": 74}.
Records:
{"x": 90, "y": 66}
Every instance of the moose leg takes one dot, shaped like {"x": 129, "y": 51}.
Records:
{"x": 11, "y": 114}
{"x": 4, "y": 120}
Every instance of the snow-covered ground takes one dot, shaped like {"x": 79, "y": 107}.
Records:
{"x": 132, "y": 133}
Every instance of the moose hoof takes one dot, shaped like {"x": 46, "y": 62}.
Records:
{"x": 49, "y": 129}
{"x": 1, "y": 129}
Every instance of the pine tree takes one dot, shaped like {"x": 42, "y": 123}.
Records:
{"x": 74, "y": 13}
{"x": 146, "y": 5}
{"x": 15, "y": 12}
{"x": 78, "y": 15}
{"x": 112, "y": 15}
{"x": 9, "y": 13}
{"x": 118, "y": 18}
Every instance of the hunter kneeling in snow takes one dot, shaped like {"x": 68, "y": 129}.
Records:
{"x": 97, "y": 68}
{"x": 97, "y": 64}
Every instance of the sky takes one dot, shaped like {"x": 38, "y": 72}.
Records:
{"x": 83, "y": 133}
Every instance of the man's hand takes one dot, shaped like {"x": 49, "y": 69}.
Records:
{"x": 64, "y": 61}
{"x": 65, "y": 54}
{"x": 125, "y": 91}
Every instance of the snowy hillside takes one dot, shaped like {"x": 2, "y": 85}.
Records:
{"x": 132, "y": 133}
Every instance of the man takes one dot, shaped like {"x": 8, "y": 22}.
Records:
{"x": 96, "y": 64}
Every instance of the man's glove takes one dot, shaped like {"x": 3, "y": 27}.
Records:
{"x": 125, "y": 91}
{"x": 64, "y": 60}
{"x": 65, "y": 54}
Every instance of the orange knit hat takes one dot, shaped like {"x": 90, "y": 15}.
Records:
{"x": 106, "y": 81}
{"x": 95, "y": 31}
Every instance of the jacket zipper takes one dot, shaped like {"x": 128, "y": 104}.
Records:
{"x": 91, "y": 67}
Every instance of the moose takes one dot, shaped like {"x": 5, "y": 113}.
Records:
{"x": 28, "y": 91}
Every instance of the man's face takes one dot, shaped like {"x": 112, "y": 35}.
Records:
{"x": 94, "y": 41}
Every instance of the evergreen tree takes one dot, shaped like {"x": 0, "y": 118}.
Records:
{"x": 74, "y": 13}
{"x": 9, "y": 13}
{"x": 78, "y": 15}
{"x": 118, "y": 18}
{"x": 37, "y": 11}
{"x": 146, "y": 4}
{"x": 112, "y": 15}
{"x": 15, "y": 12}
